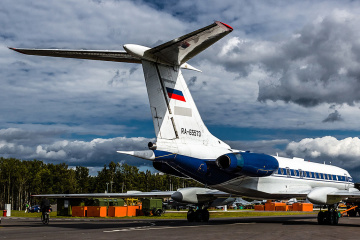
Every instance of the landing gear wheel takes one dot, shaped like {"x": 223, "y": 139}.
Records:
{"x": 330, "y": 219}
{"x": 205, "y": 215}
{"x": 198, "y": 215}
{"x": 191, "y": 215}
{"x": 336, "y": 217}
{"x": 321, "y": 218}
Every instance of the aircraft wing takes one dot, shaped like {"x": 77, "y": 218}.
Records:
{"x": 180, "y": 50}
{"x": 130, "y": 194}
{"x": 104, "y": 55}
{"x": 192, "y": 195}
{"x": 354, "y": 195}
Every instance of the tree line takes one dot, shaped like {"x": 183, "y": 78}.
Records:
{"x": 20, "y": 179}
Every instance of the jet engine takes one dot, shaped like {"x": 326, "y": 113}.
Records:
{"x": 249, "y": 164}
{"x": 196, "y": 195}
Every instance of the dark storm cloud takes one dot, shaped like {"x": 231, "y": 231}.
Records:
{"x": 319, "y": 64}
{"x": 333, "y": 117}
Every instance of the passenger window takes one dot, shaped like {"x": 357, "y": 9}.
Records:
{"x": 295, "y": 173}
{"x": 301, "y": 173}
{"x": 316, "y": 175}
{"x": 281, "y": 171}
{"x": 288, "y": 172}
{"x": 312, "y": 175}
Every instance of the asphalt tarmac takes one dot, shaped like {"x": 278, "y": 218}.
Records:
{"x": 283, "y": 227}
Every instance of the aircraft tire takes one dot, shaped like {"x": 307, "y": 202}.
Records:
{"x": 191, "y": 215}
{"x": 199, "y": 215}
{"x": 205, "y": 215}
{"x": 321, "y": 218}
{"x": 336, "y": 218}
{"x": 330, "y": 217}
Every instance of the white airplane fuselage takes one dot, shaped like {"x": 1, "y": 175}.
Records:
{"x": 293, "y": 178}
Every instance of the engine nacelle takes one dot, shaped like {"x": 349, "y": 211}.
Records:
{"x": 321, "y": 196}
{"x": 249, "y": 164}
{"x": 193, "y": 195}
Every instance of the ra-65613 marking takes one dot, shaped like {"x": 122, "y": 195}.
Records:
{"x": 191, "y": 132}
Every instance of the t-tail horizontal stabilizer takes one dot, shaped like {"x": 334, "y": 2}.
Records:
{"x": 146, "y": 154}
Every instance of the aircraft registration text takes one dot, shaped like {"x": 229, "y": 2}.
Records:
{"x": 191, "y": 132}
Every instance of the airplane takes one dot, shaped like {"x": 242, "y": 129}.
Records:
{"x": 184, "y": 147}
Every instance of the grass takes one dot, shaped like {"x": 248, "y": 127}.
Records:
{"x": 179, "y": 215}
{"x": 15, "y": 213}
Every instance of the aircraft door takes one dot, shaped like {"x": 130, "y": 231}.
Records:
{"x": 347, "y": 183}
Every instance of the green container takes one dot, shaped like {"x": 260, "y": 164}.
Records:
{"x": 154, "y": 206}
{"x": 64, "y": 205}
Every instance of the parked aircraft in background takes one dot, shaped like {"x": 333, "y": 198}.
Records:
{"x": 184, "y": 147}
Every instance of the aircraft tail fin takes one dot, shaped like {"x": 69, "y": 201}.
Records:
{"x": 175, "y": 115}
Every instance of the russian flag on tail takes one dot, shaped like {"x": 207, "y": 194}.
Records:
{"x": 175, "y": 94}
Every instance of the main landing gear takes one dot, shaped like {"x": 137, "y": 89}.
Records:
{"x": 200, "y": 215}
{"x": 330, "y": 217}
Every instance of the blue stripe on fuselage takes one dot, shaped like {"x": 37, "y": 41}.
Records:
{"x": 202, "y": 170}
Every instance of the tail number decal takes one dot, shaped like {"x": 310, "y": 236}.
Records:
{"x": 191, "y": 132}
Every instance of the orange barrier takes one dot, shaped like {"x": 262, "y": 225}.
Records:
{"x": 272, "y": 206}
{"x": 79, "y": 211}
{"x": 114, "y": 211}
{"x": 139, "y": 212}
{"x": 95, "y": 211}
{"x": 282, "y": 208}
{"x": 131, "y": 210}
{"x": 259, "y": 207}
{"x": 304, "y": 207}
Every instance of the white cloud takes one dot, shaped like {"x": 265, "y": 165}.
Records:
{"x": 19, "y": 143}
{"x": 344, "y": 152}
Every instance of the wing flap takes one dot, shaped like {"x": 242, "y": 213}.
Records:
{"x": 103, "y": 55}
{"x": 182, "y": 49}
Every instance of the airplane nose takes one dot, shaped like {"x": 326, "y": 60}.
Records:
{"x": 177, "y": 196}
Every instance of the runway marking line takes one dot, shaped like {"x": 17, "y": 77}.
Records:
{"x": 161, "y": 228}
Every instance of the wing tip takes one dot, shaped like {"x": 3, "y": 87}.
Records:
{"x": 16, "y": 50}
{"x": 227, "y": 26}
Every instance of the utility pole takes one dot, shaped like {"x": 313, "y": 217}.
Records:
{"x": 107, "y": 187}
{"x": 111, "y": 182}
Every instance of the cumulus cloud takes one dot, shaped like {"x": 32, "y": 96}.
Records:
{"x": 18, "y": 143}
{"x": 343, "y": 153}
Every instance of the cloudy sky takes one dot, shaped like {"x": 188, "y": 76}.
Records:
{"x": 286, "y": 80}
